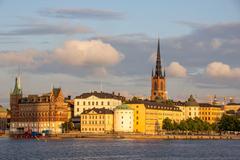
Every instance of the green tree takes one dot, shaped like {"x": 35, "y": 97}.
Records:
{"x": 167, "y": 124}
{"x": 183, "y": 125}
{"x": 229, "y": 123}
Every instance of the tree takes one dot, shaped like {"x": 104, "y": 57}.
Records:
{"x": 167, "y": 124}
{"x": 183, "y": 125}
{"x": 67, "y": 126}
{"x": 229, "y": 123}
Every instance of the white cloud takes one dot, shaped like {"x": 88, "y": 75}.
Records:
{"x": 93, "y": 53}
{"x": 27, "y": 58}
{"x": 221, "y": 70}
{"x": 175, "y": 69}
{"x": 84, "y": 53}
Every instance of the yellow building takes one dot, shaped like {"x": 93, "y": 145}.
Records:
{"x": 148, "y": 116}
{"x": 3, "y": 118}
{"x": 190, "y": 108}
{"x": 97, "y": 120}
{"x": 232, "y": 106}
{"x": 210, "y": 113}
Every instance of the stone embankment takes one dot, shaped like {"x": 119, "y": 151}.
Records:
{"x": 140, "y": 136}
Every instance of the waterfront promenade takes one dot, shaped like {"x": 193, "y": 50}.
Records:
{"x": 139, "y": 136}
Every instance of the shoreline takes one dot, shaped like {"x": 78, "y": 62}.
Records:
{"x": 135, "y": 137}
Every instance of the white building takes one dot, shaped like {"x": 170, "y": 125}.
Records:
{"x": 123, "y": 118}
{"x": 96, "y": 100}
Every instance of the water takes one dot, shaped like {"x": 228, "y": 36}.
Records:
{"x": 92, "y": 149}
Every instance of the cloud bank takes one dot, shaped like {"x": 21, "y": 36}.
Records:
{"x": 93, "y": 55}
{"x": 221, "y": 70}
{"x": 82, "y": 13}
{"x": 47, "y": 29}
{"x": 175, "y": 69}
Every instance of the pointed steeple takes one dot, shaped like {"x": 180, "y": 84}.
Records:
{"x": 158, "y": 71}
{"x": 17, "y": 89}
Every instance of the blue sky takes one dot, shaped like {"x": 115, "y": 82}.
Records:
{"x": 197, "y": 38}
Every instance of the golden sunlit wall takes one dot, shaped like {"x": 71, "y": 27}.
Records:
{"x": 139, "y": 117}
{"x": 210, "y": 114}
{"x": 234, "y": 107}
{"x": 149, "y": 121}
{"x": 96, "y": 123}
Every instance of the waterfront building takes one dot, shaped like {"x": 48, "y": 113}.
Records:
{"x": 205, "y": 111}
{"x": 123, "y": 118}
{"x": 37, "y": 113}
{"x": 149, "y": 116}
{"x": 158, "y": 79}
{"x": 4, "y": 116}
{"x": 232, "y": 107}
{"x": 97, "y": 120}
{"x": 190, "y": 108}
{"x": 96, "y": 100}
{"x": 210, "y": 113}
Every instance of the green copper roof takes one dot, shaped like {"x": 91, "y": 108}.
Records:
{"x": 123, "y": 106}
{"x": 191, "y": 101}
{"x": 17, "y": 89}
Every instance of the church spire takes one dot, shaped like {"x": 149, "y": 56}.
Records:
{"x": 17, "y": 89}
{"x": 158, "y": 71}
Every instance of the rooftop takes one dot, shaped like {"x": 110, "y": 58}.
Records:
{"x": 98, "y": 111}
{"x": 101, "y": 95}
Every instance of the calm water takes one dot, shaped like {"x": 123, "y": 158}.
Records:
{"x": 77, "y": 149}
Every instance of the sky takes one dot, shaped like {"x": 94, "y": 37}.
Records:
{"x": 110, "y": 45}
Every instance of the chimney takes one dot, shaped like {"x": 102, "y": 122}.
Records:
{"x": 119, "y": 94}
{"x": 113, "y": 93}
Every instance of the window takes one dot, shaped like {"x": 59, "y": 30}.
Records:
{"x": 78, "y": 103}
{"x": 96, "y": 103}
{"x": 108, "y": 103}
{"x": 92, "y": 103}
{"x": 84, "y": 103}
{"x": 89, "y": 103}
{"x": 137, "y": 112}
{"x": 102, "y": 103}
{"x": 77, "y": 109}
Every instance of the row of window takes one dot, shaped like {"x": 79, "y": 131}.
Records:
{"x": 37, "y": 114}
{"x": 35, "y": 125}
{"x": 92, "y": 122}
{"x": 92, "y": 129}
{"x": 93, "y": 103}
{"x": 94, "y": 117}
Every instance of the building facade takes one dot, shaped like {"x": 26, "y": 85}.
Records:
{"x": 158, "y": 79}
{"x": 97, "y": 120}
{"x": 96, "y": 100}
{"x": 210, "y": 113}
{"x": 37, "y": 113}
{"x": 4, "y": 116}
{"x": 232, "y": 107}
{"x": 149, "y": 116}
{"x": 205, "y": 111}
{"x": 123, "y": 118}
{"x": 190, "y": 108}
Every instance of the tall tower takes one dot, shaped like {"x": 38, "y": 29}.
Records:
{"x": 15, "y": 96}
{"x": 158, "y": 79}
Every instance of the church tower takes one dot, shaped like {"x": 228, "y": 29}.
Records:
{"x": 15, "y": 96}
{"x": 158, "y": 79}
